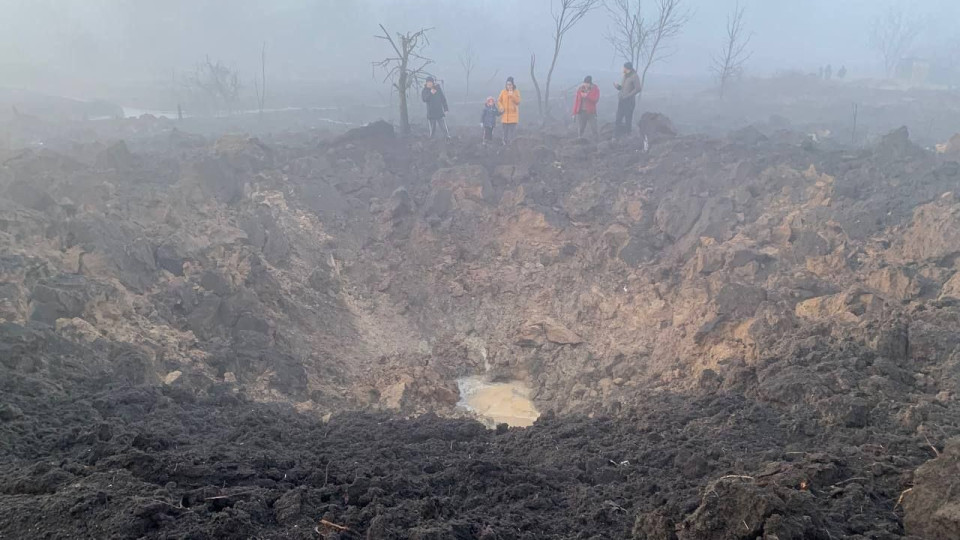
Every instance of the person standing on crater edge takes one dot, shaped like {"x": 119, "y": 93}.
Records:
{"x": 509, "y": 103}
{"x": 627, "y": 92}
{"x": 436, "y": 106}
{"x": 585, "y": 107}
{"x": 488, "y": 119}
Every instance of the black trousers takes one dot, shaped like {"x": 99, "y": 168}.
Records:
{"x": 438, "y": 123}
{"x": 625, "y": 108}
{"x": 587, "y": 120}
{"x": 509, "y": 132}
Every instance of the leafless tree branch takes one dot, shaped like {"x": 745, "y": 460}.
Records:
{"x": 407, "y": 68}
{"x": 260, "y": 86}
{"x": 728, "y": 65}
{"x": 566, "y": 14}
{"x": 628, "y": 34}
{"x": 219, "y": 84}
{"x": 536, "y": 85}
{"x": 892, "y": 34}
{"x": 644, "y": 41}
{"x": 468, "y": 61}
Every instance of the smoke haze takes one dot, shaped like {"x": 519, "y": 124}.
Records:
{"x": 111, "y": 48}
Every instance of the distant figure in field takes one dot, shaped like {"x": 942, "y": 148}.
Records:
{"x": 828, "y": 72}
{"x": 509, "y": 103}
{"x": 627, "y": 94}
{"x": 842, "y": 73}
{"x": 585, "y": 107}
{"x": 488, "y": 119}
{"x": 436, "y": 107}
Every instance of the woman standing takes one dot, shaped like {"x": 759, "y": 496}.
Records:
{"x": 509, "y": 103}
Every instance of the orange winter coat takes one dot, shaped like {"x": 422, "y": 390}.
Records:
{"x": 510, "y": 106}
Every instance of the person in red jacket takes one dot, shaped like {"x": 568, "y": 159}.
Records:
{"x": 585, "y": 107}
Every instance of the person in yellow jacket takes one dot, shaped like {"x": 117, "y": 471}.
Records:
{"x": 509, "y": 104}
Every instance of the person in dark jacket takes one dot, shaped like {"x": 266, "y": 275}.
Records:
{"x": 585, "y": 107}
{"x": 488, "y": 119}
{"x": 628, "y": 90}
{"x": 436, "y": 107}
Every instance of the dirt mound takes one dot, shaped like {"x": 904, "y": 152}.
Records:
{"x": 378, "y": 130}
{"x": 751, "y": 318}
{"x": 656, "y": 127}
{"x": 931, "y": 507}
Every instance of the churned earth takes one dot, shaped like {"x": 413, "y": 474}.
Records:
{"x": 752, "y": 336}
{"x": 93, "y": 459}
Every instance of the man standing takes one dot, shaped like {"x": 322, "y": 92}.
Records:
{"x": 585, "y": 107}
{"x": 627, "y": 92}
{"x": 436, "y": 107}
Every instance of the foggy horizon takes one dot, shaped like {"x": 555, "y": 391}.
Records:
{"x": 108, "y": 48}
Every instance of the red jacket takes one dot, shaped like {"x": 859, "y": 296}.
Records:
{"x": 587, "y": 104}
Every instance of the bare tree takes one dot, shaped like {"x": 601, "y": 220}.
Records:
{"x": 892, "y": 34}
{"x": 629, "y": 32}
{"x": 407, "y": 68}
{"x": 218, "y": 84}
{"x": 643, "y": 41}
{"x": 728, "y": 65}
{"x": 468, "y": 61}
{"x": 260, "y": 86}
{"x": 566, "y": 14}
{"x": 536, "y": 85}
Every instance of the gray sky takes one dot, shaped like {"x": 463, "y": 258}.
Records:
{"x": 83, "y": 47}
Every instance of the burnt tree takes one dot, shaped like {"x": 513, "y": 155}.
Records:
{"x": 406, "y": 68}
{"x": 566, "y": 14}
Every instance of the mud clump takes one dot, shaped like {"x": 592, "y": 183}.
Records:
{"x": 931, "y": 509}
{"x": 656, "y": 127}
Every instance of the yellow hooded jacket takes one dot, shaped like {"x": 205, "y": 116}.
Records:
{"x": 510, "y": 106}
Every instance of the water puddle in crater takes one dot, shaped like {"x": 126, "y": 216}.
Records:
{"x": 496, "y": 403}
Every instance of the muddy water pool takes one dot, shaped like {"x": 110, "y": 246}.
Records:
{"x": 498, "y": 402}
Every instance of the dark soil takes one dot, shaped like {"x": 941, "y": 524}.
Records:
{"x": 745, "y": 338}
{"x": 87, "y": 459}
